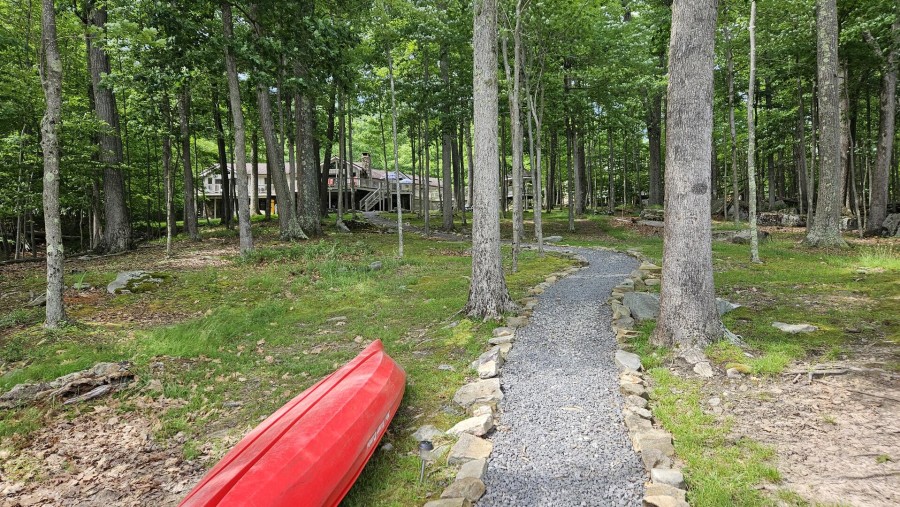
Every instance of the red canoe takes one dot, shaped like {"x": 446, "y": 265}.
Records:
{"x": 311, "y": 451}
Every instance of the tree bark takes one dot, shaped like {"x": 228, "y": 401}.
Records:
{"x": 611, "y": 188}
{"x": 117, "y": 227}
{"x": 190, "y": 208}
{"x": 488, "y": 294}
{"x": 168, "y": 181}
{"x": 240, "y": 143}
{"x": 396, "y": 156}
{"x": 826, "y": 230}
{"x": 310, "y": 210}
{"x": 878, "y": 196}
{"x": 736, "y": 200}
{"x": 51, "y": 80}
{"x": 654, "y": 136}
{"x": 446, "y": 154}
{"x": 515, "y": 122}
{"x": 751, "y": 140}
{"x": 688, "y": 318}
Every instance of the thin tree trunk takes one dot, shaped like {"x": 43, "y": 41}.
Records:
{"x": 826, "y": 230}
{"x": 396, "y": 156}
{"x": 190, "y": 208}
{"x": 310, "y": 208}
{"x": 751, "y": 139}
{"x": 51, "y": 80}
{"x": 515, "y": 122}
{"x": 878, "y": 193}
{"x": 168, "y": 180}
{"x": 245, "y": 232}
{"x": 329, "y": 146}
{"x": 654, "y": 136}
{"x": 488, "y": 295}
{"x": 446, "y": 149}
{"x": 611, "y": 198}
{"x": 688, "y": 318}
{"x": 736, "y": 199}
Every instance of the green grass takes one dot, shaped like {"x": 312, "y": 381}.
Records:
{"x": 256, "y": 333}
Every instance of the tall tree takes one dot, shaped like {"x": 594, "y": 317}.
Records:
{"x": 240, "y": 142}
{"x": 184, "y": 116}
{"x": 751, "y": 140}
{"x": 826, "y": 230}
{"x": 515, "y": 122}
{"x": 888, "y": 108}
{"x": 51, "y": 79}
{"x": 488, "y": 294}
{"x": 688, "y": 318}
{"x": 117, "y": 225}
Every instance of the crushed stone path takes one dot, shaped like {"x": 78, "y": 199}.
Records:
{"x": 561, "y": 440}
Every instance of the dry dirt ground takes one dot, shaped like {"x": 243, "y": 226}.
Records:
{"x": 837, "y": 437}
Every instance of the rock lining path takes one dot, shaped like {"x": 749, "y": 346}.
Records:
{"x": 561, "y": 439}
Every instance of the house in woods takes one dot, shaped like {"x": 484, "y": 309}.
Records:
{"x": 371, "y": 189}
{"x": 527, "y": 194}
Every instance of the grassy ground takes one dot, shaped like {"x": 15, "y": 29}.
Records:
{"x": 238, "y": 338}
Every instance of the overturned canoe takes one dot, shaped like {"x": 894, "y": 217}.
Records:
{"x": 311, "y": 451}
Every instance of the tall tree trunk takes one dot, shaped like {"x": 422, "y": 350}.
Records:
{"x": 688, "y": 318}
{"x": 488, "y": 295}
{"x": 534, "y": 135}
{"x": 117, "y": 227}
{"x": 515, "y": 122}
{"x": 736, "y": 199}
{"x": 751, "y": 141}
{"x": 329, "y": 146}
{"x": 770, "y": 152}
{"x": 340, "y": 177}
{"x": 570, "y": 172}
{"x": 802, "y": 169}
{"x": 654, "y": 137}
{"x": 51, "y": 80}
{"x": 223, "y": 158}
{"x": 826, "y": 230}
{"x": 190, "y": 208}
{"x": 240, "y": 144}
{"x": 308, "y": 192}
{"x": 396, "y": 156}
{"x": 611, "y": 189}
{"x": 878, "y": 194}
{"x": 446, "y": 147}
{"x": 168, "y": 180}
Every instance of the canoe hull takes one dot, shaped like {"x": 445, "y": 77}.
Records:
{"x": 311, "y": 450}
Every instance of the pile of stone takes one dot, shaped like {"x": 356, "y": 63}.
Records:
{"x": 470, "y": 451}
{"x": 785, "y": 218}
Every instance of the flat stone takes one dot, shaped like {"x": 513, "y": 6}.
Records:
{"x": 636, "y": 423}
{"x": 619, "y": 310}
{"x": 670, "y": 476}
{"x": 656, "y": 489}
{"x": 483, "y": 410}
{"x": 643, "y": 305}
{"x": 491, "y": 356}
{"x": 643, "y": 412}
{"x": 475, "y": 468}
{"x": 733, "y": 373}
{"x": 516, "y": 322}
{"x": 653, "y": 439}
{"x": 663, "y": 501}
{"x": 633, "y": 389}
{"x": 504, "y": 349}
{"x": 552, "y": 239}
{"x": 449, "y": 502}
{"x": 469, "y": 488}
{"x": 635, "y": 401}
{"x": 478, "y": 426}
{"x": 637, "y": 274}
{"x": 489, "y": 369}
{"x": 655, "y": 458}
{"x": 437, "y": 453}
{"x": 503, "y": 331}
{"x": 468, "y": 448}
{"x": 500, "y": 340}
{"x": 795, "y": 328}
{"x": 628, "y": 360}
{"x": 375, "y": 266}
{"x": 624, "y": 323}
{"x": 649, "y": 267}
{"x": 704, "y": 369}
{"x": 127, "y": 282}
{"x": 483, "y": 391}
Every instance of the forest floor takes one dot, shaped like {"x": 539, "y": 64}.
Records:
{"x": 221, "y": 345}
{"x": 226, "y": 341}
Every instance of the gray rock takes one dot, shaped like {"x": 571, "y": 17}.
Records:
{"x": 475, "y": 468}
{"x": 628, "y": 360}
{"x": 704, "y": 369}
{"x": 654, "y": 489}
{"x": 504, "y": 349}
{"x": 127, "y": 282}
{"x": 488, "y": 364}
{"x": 427, "y": 432}
{"x": 660, "y": 440}
{"x": 795, "y": 328}
{"x": 671, "y": 477}
{"x": 714, "y": 401}
{"x": 516, "y": 322}
{"x": 469, "y": 448}
{"x": 891, "y": 225}
{"x": 635, "y": 401}
{"x": 663, "y": 501}
{"x": 741, "y": 237}
{"x": 469, "y": 488}
{"x": 484, "y": 391}
{"x": 656, "y": 224}
{"x": 635, "y": 422}
{"x": 552, "y": 239}
{"x": 768, "y": 219}
{"x": 478, "y": 426}
{"x": 653, "y": 214}
{"x": 792, "y": 220}
{"x": 651, "y": 282}
{"x": 375, "y": 266}
{"x": 655, "y": 458}
{"x": 643, "y": 305}
{"x": 649, "y": 267}
{"x": 643, "y": 412}
{"x": 725, "y": 306}
{"x": 500, "y": 340}
{"x": 629, "y": 389}
{"x": 624, "y": 323}
{"x": 449, "y": 502}
{"x": 733, "y": 373}
{"x": 503, "y": 331}
{"x": 40, "y": 300}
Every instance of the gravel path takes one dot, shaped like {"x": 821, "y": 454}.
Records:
{"x": 561, "y": 439}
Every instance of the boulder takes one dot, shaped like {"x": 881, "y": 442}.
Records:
{"x": 427, "y": 432}
{"x": 469, "y": 488}
{"x": 656, "y": 214}
{"x": 478, "y": 426}
{"x": 654, "y": 489}
{"x": 849, "y": 223}
{"x": 488, "y": 364}
{"x": 635, "y": 422}
{"x": 891, "y": 225}
{"x": 655, "y": 458}
{"x": 792, "y": 220}
{"x": 795, "y": 328}
{"x": 704, "y": 369}
{"x": 654, "y": 224}
{"x": 741, "y": 237}
{"x": 768, "y": 219}
{"x": 481, "y": 392}
{"x": 375, "y": 266}
{"x": 643, "y": 305}
{"x": 660, "y": 440}
{"x": 468, "y": 448}
{"x": 628, "y": 360}
{"x": 552, "y": 239}
{"x": 635, "y": 401}
{"x": 725, "y": 306}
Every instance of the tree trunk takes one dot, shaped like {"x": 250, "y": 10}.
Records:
{"x": 801, "y": 148}
{"x": 329, "y": 146}
{"x": 308, "y": 192}
{"x": 117, "y": 229}
{"x": 654, "y": 136}
{"x": 688, "y": 318}
{"x": 611, "y": 197}
{"x": 770, "y": 154}
{"x": 240, "y": 144}
{"x": 51, "y": 80}
{"x": 396, "y": 156}
{"x": 736, "y": 199}
{"x": 488, "y": 295}
{"x": 446, "y": 140}
{"x": 751, "y": 139}
{"x": 826, "y": 230}
{"x": 223, "y": 160}
{"x": 515, "y": 122}
{"x": 878, "y": 193}
{"x": 190, "y": 208}
{"x": 168, "y": 181}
